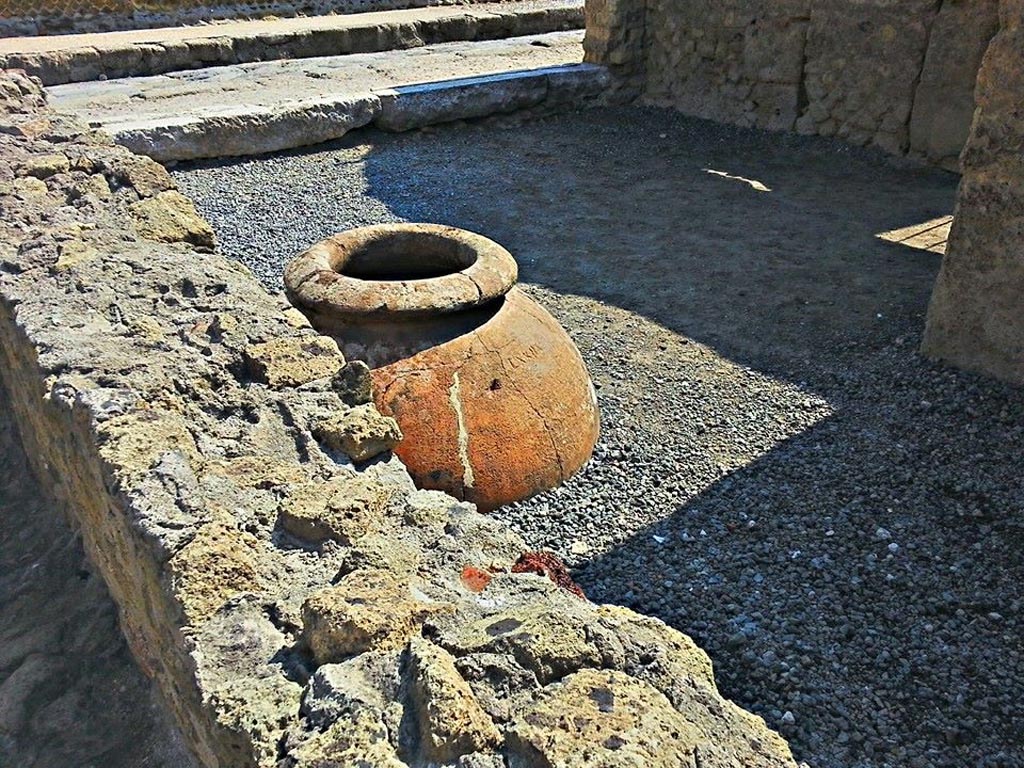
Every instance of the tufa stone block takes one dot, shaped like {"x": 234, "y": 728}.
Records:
{"x": 451, "y": 721}
{"x": 170, "y": 217}
{"x": 361, "y": 433}
{"x": 343, "y": 509}
{"x": 367, "y": 610}
{"x": 293, "y": 360}
{"x": 353, "y": 383}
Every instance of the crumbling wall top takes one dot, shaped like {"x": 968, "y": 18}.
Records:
{"x": 295, "y": 598}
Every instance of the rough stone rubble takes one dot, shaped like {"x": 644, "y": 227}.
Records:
{"x": 899, "y": 76}
{"x": 294, "y": 608}
{"x": 70, "y": 693}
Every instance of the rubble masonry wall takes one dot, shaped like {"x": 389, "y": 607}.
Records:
{"x": 294, "y": 598}
{"x": 899, "y": 75}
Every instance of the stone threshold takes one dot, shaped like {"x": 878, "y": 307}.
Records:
{"x": 60, "y": 59}
{"x": 238, "y": 133}
{"x": 273, "y": 106}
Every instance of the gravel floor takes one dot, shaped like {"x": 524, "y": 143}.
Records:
{"x": 837, "y": 521}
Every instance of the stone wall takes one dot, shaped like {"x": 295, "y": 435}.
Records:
{"x": 294, "y": 598}
{"x": 976, "y": 316}
{"x": 46, "y": 17}
{"x": 902, "y": 75}
{"x": 70, "y": 694}
{"x": 897, "y": 74}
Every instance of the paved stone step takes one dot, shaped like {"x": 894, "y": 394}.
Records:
{"x": 269, "y": 106}
{"x": 59, "y": 59}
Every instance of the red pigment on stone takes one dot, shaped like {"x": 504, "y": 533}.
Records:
{"x": 475, "y": 579}
{"x": 547, "y": 564}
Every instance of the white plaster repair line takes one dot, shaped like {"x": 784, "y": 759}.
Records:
{"x": 454, "y": 397}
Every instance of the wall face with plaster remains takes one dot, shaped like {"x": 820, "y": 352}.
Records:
{"x": 901, "y": 75}
{"x": 976, "y": 315}
{"x": 894, "y": 74}
{"x": 294, "y": 598}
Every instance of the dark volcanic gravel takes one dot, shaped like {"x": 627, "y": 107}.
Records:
{"x": 836, "y": 520}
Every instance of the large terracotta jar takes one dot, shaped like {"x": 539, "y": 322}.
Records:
{"x": 493, "y": 398}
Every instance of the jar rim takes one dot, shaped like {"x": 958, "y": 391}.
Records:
{"x": 474, "y": 271}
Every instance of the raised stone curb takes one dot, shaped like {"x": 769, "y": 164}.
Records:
{"x": 163, "y": 398}
{"x": 415, "y": 106}
{"x": 240, "y": 131}
{"x": 119, "y": 55}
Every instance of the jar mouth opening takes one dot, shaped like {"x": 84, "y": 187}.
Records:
{"x": 394, "y": 256}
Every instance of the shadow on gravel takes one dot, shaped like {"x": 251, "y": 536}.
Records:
{"x": 837, "y": 521}
{"x": 638, "y": 214}
{"x": 70, "y": 693}
{"x": 864, "y": 574}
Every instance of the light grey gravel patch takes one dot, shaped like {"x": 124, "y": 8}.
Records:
{"x": 764, "y": 408}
